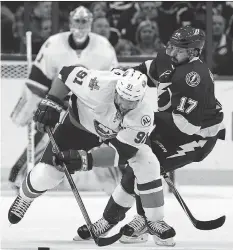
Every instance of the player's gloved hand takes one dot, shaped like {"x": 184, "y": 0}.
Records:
{"x": 48, "y": 113}
{"x": 75, "y": 160}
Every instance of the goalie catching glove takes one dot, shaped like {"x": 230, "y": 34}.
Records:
{"x": 48, "y": 113}
{"x": 76, "y": 160}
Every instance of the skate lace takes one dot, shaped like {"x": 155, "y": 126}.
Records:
{"x": 20, "y": 206}
{"x": 101, "y": 226}
{"x": 137, "y": 223}
{"x": 160, "y": 226}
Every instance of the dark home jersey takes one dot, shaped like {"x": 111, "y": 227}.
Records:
{"x": 186, "y": 94}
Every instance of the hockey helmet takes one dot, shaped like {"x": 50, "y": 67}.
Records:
{"x": 80, "y": 23}
{"x": 188, "y": 37}
{"x": 130, "y": 89}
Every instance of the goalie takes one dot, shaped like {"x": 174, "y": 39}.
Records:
{"x": 78, "y": 46}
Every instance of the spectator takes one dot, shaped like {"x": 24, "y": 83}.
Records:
{"x": 184, "y": 13}
{"x": 117, "y": 9}
{"x": 102, "y": 27}
{"x": 147, "y": 37}
{"x": 18, "y": 31}
{"x": 43, "y": 10}
{"x": 40, "y": 25}
{"x": 99, "y": 9}
{"x": 229, "y": 31}
{"x": 149, "y": 10}
{"x": 126, "y": 48}
{"x": 7, "y": 20}
{"x": 46, "y": 29}
{"x": 222, "y": 48}
{"x": 139, "y": 12}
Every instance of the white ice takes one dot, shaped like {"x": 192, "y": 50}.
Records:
{"x": 52, "y": 220}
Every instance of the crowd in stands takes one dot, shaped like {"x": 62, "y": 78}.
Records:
{"x": 133, "y": 28}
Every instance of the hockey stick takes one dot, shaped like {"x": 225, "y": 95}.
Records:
{"x": 201, "y": 225}
{"x": 30, "y": 126}
{"x": 22, "y": 160}
{"x": 98, "y": 240}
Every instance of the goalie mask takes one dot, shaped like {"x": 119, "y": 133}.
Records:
{"x": 80, "y": 23}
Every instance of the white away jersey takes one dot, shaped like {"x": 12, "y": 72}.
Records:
{"x": 56, "y": 53}
{"x": 97, "y": 113}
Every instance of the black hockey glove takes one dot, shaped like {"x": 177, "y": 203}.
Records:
{"x": 75, "y": 160}
{"x": 48, "y": 112}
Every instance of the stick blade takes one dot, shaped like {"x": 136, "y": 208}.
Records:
{"x": 108, "y": 240}
{"x": 210, "y": 225}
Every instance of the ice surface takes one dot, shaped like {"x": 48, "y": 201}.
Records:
{"x": 52, "y": 220}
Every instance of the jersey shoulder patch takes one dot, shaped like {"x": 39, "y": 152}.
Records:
{"x": 140, "y": 118}
{"x": 193, "y": 79}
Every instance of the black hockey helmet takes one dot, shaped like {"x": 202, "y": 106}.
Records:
{"x": 188, "y": 37}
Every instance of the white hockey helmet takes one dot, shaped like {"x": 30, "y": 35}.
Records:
{"x": 130, "y": 90}
{"x": 80, "y": 23}
{"x": 132, "y": 86}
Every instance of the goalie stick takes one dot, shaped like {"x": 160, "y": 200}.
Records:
{"x": 30, "y": 126}
{"x": 201, "y": 225}
{"x": 21, "y": 163}
{"x": 98, "y": 240}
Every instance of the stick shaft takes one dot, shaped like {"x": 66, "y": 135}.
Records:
{"x": 30, "y": 126}
{"x": 72, "y": 185}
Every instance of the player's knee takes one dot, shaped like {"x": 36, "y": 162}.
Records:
{"x": 46, "y": 175}
{"x": 145, "y": 166}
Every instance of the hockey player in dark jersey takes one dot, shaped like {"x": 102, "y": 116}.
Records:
{"x": 188, "y": 123}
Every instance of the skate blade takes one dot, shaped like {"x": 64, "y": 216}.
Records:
{"x": 167, "y": 242}
{"x": 134, "y": 239}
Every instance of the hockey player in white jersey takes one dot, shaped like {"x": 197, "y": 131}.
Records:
{"x": 78, "y": 46}
{"x": 105, "y": 107}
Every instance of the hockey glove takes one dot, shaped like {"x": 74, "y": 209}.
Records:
{"x": 48, "y": 112}
{"x": 75, "y": 160}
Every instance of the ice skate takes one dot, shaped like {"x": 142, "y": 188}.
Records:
{"x": 135, "y": 231}
{"x": 101, "y": 227}
{"x": 18, "y": 209}
{"x": 162, "y": 233}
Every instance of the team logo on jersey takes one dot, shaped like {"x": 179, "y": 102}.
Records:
{"x": 193, "y": 79}
{"x": 103, "y": 131}
{"x": 146, "y": 121}
{"x": 93, "y": 84}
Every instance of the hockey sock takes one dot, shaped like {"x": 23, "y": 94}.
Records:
{"x": 119, "y": 203}
{"x": 41, "y": 178}
{"x": 122, "y": 198}
{"x": 27, "y": 191}
{"x": 139, "y": 207}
